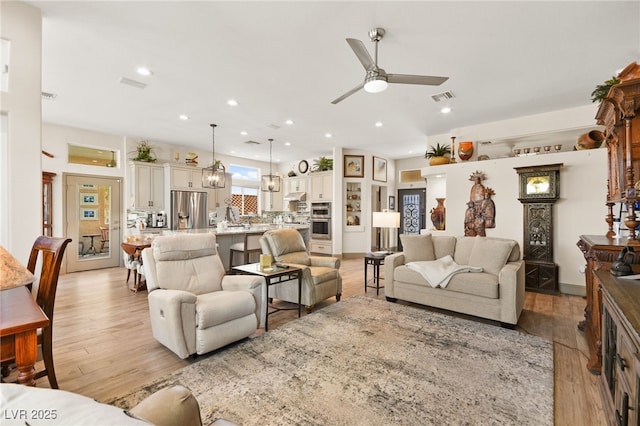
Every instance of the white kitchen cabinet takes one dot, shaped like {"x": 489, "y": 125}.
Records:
{"x": 185, "y": 178}
{"x": 322, "y": 186}
{"x": 296, "y": 184}
{"x": 147, "y": 186}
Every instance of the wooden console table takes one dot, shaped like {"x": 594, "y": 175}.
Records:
{"x": 599, "y": 252}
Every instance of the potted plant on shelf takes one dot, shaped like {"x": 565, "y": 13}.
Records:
{"x": 144, "y": 153}
{"x": 438, "y": 154}
{"x": 322, "y": 164}
{"x": 602, "y": 90}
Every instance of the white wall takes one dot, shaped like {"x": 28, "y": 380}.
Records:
{"x": 20, "y": 167}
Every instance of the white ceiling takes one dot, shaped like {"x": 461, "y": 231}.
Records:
{"x": 289, "y": 60}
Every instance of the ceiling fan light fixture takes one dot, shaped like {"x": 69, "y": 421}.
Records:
{"x": 375, "y": 84}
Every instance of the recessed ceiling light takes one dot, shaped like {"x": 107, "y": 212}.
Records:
{"x": 287, "y": 144}
{"x": 328, "y": 135}
{"x": 232, "y": 151}
{"x": 289, "y": 122}
{"x": 379, "y": 124}
{"x": 232, "y": 102}
{"x": 144, "y": 71}
{"x": 183, "y": 117}
{"x": 445, "y": 110}
{"x": 410, "y": 151}
{"x": 243, "y": 133}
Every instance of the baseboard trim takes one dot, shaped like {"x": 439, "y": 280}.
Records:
{"x": 573, "y": 289}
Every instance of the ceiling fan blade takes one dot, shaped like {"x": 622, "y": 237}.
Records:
{"x": 349, "y": 93}
{"x": 361, "y": 52}
{"x": 427, "y": 80}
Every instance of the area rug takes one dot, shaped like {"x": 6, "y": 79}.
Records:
{"x": 364, "y": 361}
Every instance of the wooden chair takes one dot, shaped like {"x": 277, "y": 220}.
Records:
{"x": 48, "y": 253}
{"x": 251, "y": 245}
{"x": 104, "y": 237}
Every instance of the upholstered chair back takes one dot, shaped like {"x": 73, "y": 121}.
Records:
{"x": 285, "y": 245}
{"x": 188, "y": 262}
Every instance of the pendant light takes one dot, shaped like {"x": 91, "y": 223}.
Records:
{"x": 270, "y": 182}
{"x": 213, "y": 176}
{"x": 112, "y": 163}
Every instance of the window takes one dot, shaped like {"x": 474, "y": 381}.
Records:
{"x": 246, "y": 188}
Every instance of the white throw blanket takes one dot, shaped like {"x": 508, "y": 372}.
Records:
{"x": 439, "y": 272}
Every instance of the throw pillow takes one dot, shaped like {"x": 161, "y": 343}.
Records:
{"x": 417, "y": 248}
{"x": 490, "y": 254}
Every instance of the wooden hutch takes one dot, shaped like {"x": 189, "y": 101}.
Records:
{"x": 619, "y": 113}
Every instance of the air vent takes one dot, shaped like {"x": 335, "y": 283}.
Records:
{"x": 484, "y": 142}
{"x": 252, "y": 143}
{"x": 49, "y": 96}
{"x": 443, "y": 96}
{"x": 132, "y": 83}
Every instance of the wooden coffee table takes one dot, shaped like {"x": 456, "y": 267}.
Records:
{"x": 272, "y": 276}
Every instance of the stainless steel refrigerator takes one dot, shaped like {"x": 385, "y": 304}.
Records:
{"x": 189, "y": 210}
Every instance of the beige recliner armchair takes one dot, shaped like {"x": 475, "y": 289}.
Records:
{"x": 194, "y": 307}
{"x": 320, "y": 276}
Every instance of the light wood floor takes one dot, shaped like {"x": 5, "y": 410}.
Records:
{"x": 103, "y": 345}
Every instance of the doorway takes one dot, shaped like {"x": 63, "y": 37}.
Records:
{"x": 91, "y": 213}
{"x": 412, "y": 208}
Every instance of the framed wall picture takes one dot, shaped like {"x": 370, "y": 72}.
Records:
{"x": 379, "y": 169}
{"x": 354, "y": 166}
{"x": 88, "y": 199}
{"x": 88, "y": 214}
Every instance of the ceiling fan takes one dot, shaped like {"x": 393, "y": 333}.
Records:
{"x": 376, "y": 78}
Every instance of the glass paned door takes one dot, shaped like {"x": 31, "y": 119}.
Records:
{"x": 412, "y": 206}
{"x": 93, "y": 222}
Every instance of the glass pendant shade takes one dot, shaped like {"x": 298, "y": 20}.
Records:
{"x": 214, "y": 175}
{"x": 270, "y": 182}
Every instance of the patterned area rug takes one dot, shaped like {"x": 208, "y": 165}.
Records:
{"x": 364, "y": 361}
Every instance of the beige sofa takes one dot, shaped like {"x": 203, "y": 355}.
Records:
{"x": 496, "y": 293}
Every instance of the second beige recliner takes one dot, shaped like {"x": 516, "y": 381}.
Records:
{"x": 320, "y": 276}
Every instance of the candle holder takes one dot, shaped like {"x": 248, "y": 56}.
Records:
{"x": 453, "y": 149}
{"x": 547, "y": 148}
{"x": 517, "y": 151}
{"x": 526, "y": 150}
{"x": 536, "y": 149}
{"x": 557, "y": 147}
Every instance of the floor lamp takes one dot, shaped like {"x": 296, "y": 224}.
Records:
{"x": 386, "y": 220}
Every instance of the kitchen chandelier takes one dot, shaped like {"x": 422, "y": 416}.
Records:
{"x": 213, "y": 176}
{"x": 270, "y": 182}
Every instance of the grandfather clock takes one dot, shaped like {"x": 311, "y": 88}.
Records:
{"x": 539, "y": 189}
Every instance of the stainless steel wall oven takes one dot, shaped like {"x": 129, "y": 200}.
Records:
{"x": 320, "y": 222}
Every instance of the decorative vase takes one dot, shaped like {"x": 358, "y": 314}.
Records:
{"x": 438, "y": 215}
{"x": 465, "y": 150}
{"x": 590, "y": 140}
{"x": 436, "y": 161}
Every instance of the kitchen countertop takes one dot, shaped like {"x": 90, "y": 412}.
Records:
{"x": 239, "y": 229}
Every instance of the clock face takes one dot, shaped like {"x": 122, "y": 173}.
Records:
{"x": 538, "y": 185}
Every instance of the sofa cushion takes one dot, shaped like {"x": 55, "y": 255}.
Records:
{"x": 417, "y": 247}
{"x": 479, "y": 284}
{"x": 443, "y": 245}
{"x": 223, "y": 306}
{"x": 490, "y": 254}
{"x": 464, "y": 246}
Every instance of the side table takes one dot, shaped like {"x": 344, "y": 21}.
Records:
{"x": 376, "y": 260}
{"x": 273, "y": 275}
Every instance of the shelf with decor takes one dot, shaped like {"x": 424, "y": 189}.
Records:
{"x": 353, "y": 206}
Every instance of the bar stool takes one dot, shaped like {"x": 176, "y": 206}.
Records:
{"x": 250, "y": 245}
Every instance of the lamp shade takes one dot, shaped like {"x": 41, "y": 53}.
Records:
{"x": 386, "y": 219}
